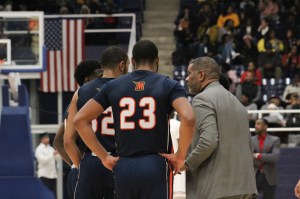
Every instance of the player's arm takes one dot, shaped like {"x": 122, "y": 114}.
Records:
{"x": 297, "y": 189}
{"x": 59, "y": 144}
{"x": 186, "y": 133}
{"x": 187, "y": 125}
{"x": 82, "y": 123}
{"x": 71, "y": 135}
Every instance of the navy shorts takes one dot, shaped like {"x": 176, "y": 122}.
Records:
{"x": 94, "y": 180}
{"x": 71, "y": 182}
{"x": 143, "y": 177}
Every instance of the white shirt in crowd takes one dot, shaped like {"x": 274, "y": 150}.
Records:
{"x": 46, "y": 161}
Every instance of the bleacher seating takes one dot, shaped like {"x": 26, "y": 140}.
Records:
{"x": 179, "y": 73}
{"x": 273, "y": 87}
{"x": 134, "y": 6}
{"x": 17, "y": 175}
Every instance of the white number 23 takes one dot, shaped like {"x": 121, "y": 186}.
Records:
{"x": 149, "y": 105}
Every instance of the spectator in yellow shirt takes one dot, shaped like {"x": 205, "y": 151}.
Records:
{"x": 230, "y": 14}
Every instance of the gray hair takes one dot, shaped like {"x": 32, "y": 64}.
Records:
{"x": 207, "y": 64}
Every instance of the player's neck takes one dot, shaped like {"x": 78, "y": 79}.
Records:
{"x": 146, "y": 67}
{"x": 109, "y": 74}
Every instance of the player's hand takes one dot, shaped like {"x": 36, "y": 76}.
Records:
{"x": 176, "y": 162}
{"x": 297, "y": 190}
{"x": 110, "y": 161}
{"x": 55, "y": 152}
{"x": 184, "y": 167}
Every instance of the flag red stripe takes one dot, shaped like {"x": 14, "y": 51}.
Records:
{"x": 76, "y": 49}
{"x": 65, "y": 69}
{"x": 55, "y": 71}
{"x": 68, "y": 54}
{"x": 48, "y": 73}
{"x": 62, "y": 71}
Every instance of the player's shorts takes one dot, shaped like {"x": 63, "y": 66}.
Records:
{"x": 143, "y": 177}
{"x": 71, "y": 181}
{"x": 94, "y": 180}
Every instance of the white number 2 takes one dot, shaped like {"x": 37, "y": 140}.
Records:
{"x": 106, "y": 120}
{"x": 149, "y": 105}
{"x": 109, "y": 119}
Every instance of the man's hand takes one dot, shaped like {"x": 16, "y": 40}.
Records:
{"x": 176, "y": 162}
{"x": 255, "y": 155}
{"x": 110, "y": 161}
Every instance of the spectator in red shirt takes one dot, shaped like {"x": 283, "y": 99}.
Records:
{"x": 255, "y": 72}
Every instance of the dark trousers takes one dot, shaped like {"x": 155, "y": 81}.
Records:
{"x": 94, "y": 180}
{"x": 50, "y": 183}
{"x": 143, "y": 177}
{"x": 71, "y": 182}
{"x": 263, "y": 186}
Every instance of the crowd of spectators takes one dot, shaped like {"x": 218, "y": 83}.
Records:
{"x": 256, "y": 44}
{"x": 64, "y": 6}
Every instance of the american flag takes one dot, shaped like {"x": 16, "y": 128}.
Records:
{"x": 64, "y": 40}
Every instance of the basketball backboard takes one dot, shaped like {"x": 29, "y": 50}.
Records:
{"x": 5, "y": 52}
{"x": 21, "y": 42}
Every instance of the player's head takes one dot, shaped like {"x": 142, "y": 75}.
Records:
{"x": 86, "y": 71}
{"x": 145, "y": 52}
{"x": 115, "y": 58}
{"x": 201, "y": 72}
{"x": 44, "y": 138}
{"x": 261, "y": 125}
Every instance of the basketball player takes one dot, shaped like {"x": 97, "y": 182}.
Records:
{"x": 141, "y": 102}
{"x": 96, "y": 181}
{"x": 85, "y": 71}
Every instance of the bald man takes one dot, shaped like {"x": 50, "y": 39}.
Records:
{"x": 220, "y": 163}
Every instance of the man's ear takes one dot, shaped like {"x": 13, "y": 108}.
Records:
{"x": 157, "y": 64}
{"x": 201, "y": 74}
{"x": 133, "y": 63}
{"x": 122, "y": 66}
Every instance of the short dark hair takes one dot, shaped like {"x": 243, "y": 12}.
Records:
{"x": 112, "y": 56}
{"x": 144, "y": 51}
{"x": 264, "y": 121}
{"x": 43, "y": 135}
{"x": 84, "y": 69}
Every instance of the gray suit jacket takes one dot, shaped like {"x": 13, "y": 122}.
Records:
{"x": 220, "y": 163}
{"x": 270, "y": 156}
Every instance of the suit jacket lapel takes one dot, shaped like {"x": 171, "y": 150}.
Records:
{"x": 256, "y": 145}
{"x": 267, "y": 142}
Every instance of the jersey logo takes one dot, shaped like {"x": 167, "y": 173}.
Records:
{"x": 139, "y": 86}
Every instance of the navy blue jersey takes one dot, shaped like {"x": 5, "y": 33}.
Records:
{"x": 103, "y": 126}
{"x": 141, "y": 102}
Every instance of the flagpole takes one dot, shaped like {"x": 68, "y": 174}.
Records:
{"x": 59, "y": 184}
